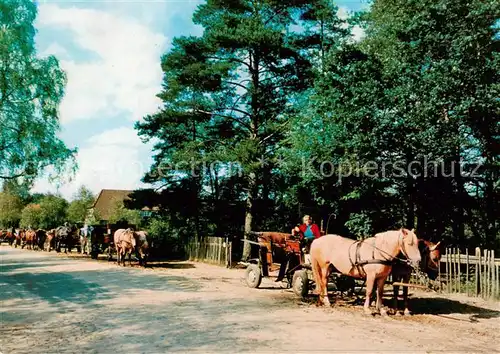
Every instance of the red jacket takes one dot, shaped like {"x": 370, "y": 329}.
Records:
{"x": 314, "y": 229}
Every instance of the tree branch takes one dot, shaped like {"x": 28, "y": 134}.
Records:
{"x": 224, "y": 116}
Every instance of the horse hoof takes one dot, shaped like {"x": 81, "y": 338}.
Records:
{"x": 383, "y": 313}
{"x": 407, "y": 312}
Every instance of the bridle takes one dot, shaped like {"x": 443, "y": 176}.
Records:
{"x": 430, "y": 263}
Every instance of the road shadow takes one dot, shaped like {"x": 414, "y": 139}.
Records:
{"x": 13, "y": 266}
{"x": 168, "y": 265}
{"x": 440, "y": 306}
{"x": 55, "y": 288}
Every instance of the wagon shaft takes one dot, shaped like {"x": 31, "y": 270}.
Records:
{"x": 410, "y": 285}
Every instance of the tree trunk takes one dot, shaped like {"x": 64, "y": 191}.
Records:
{"x": 247, "y": 248}
{"x": 254, "y": 125}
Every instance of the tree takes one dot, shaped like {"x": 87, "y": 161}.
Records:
{"x": 78, "y": 209}
{"x": 53, "y": 211}
{"x": 423, "y": 84}
{"x": 32, "y": 216}
{"x": 31, "y": 89}
{"x": 228, "y": 95}
{"x": 10, "y": 209}
{"x": 120, "y": 214}
{"x": 443, "y": 57}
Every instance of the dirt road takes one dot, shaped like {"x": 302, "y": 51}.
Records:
{"x": 52, "y": 303}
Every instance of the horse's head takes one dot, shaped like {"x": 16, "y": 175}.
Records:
{"x": 409, "y": 246}
{"x": 431, "y": 256}
{"x": 130, "y": 233}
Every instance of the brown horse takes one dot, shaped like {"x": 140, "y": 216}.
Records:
{"x": 142, "y": 249}
{"x": 29, "y": 239}
{"x": 401, "y": 272}
{"x": 125, "y": 244}
{"x": 369, "y": 259}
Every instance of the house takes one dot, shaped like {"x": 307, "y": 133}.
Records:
{"x": 106, "y": 201}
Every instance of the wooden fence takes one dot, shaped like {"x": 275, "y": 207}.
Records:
{"x": 474, "y": 275}
{"x": 213, "y": 250}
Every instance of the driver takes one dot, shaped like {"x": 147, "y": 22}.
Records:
{"x": 307, "y": 232}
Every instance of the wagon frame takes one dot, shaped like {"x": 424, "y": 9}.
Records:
{"x": 298, "y": 271}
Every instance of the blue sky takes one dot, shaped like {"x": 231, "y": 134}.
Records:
{"x": 111, "y": 53}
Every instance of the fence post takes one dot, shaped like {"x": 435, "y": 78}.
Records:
{"x": 493, "y": 278}
{"x": 467, "y": 270}
{"x": 447, "y": 270}
{"x": 459, "y": 263}
{"x": 497, "y": 270}
{"x": 454, "y": 266}
{"x": 485, "y": 274}
{"x": 478, "y": 271}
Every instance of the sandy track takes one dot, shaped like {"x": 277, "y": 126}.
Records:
{"x": 54, "y": 303}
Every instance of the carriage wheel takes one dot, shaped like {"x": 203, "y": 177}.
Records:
{"x": 300, "y": 283}
{"x": 253, "y": 276}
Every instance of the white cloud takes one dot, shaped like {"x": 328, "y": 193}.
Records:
{"x": 126, "y": 75}
{"x": 343, "y": 13}
{"x": 57, "y": 50}
{"x": 111, "y": 160}
{"x": 357, "y": 32}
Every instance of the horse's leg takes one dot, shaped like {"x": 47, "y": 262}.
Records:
{"x": 380, "y": 296}
{"x": 370, "y": 282}
{"x": 324, "y": 283}
{"x": 406, "y": 279}
{"x": 117, "y": 254}
{"x": 317, "y": 278}
{"x": 395, "y": 293}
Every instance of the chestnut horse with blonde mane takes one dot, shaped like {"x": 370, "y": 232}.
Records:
{"x": 369, "y": 259}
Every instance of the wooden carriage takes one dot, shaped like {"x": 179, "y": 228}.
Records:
{"x": 278, "y": 250}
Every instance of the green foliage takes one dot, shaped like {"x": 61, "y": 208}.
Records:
{"x": 339, "y": 124}
{"x": 31, "y": 89}
{"x": 78, "y": 209}
{"x": 228, "y": 95}
{"x": 10, "y": 210}
{"x": 31, "y": 216}
{"x": 120, "y": 214}
{"x": 54, "y": 211}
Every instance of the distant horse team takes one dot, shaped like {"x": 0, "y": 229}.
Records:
{"x": 69, "y": 237}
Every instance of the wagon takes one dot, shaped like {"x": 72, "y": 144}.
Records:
{"x": 280, "y": 249}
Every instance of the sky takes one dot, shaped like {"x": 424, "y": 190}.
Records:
{"x": 111, "y": 52}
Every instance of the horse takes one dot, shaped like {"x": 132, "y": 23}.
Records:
{"x": 125, "y": 243}
{"x": 18, "y": 238}
{"x": 369, "y": 259}
{"x": 29, "y": 239}
{"x": 10, "y": 237}
{"x": 65, "y": 235}
{"x": 401, "y": 272}
{"x": 49, "y": 243}
{"x": 142, "y": 248}
{"x": 41, "y": 235}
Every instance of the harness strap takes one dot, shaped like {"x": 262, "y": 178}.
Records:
{"x": 376, "y": 261}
